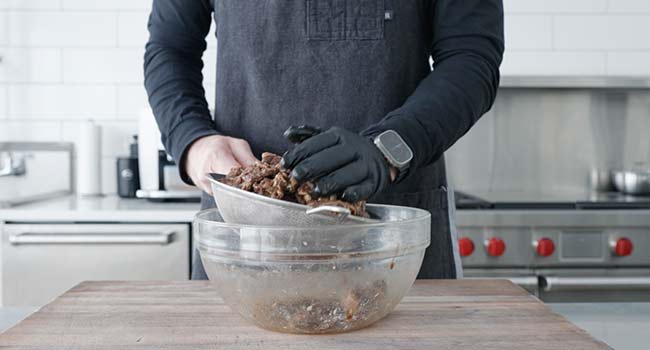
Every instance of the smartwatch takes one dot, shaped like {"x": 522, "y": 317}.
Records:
{"x": 395, "y": 150}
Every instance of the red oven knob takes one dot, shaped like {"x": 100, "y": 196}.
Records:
{"x": 495, "y": 246}
{"x": 544, "y": 247}
{"x": 623, "y": 247}
{"x": 466, "y": 246}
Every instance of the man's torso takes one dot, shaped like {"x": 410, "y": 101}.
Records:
{"x": 343, "y": 63}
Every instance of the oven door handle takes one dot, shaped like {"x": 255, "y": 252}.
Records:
{"x": 162, "y": 238}
{"x": 527, "y": 282}
{"x": 557, "y": 283}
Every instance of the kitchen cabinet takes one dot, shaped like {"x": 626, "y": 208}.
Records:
{"x": 49, "y": 246}
{"x": 41, "y": 261}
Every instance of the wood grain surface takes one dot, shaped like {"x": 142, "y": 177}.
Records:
{"x": 459, "y": 314}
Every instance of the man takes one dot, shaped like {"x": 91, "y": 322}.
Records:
{"x": 359, "y": 69}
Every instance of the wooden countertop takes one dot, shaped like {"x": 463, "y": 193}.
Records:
{"x": 460, "y": 314}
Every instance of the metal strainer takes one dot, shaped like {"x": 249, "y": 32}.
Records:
{"x": 237, "y": 206}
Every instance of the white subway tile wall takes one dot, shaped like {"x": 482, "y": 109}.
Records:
{"x": 4, "y": 24}
{"x": 107, "y": 5}
{"x": 130, "y": 100}
{"x": 132, "y": 28}
{"x": 576, "y": 63}
{"x": 4, "y": 105}
{"x": 529, "y": 32}
{"x": 36, "y": 131}
{"x": 30, "y": 4}
{"x": 629, "y": 63}
{"x": 65, "y": 61}
{"x": 556, "y": 6}
{"x": 114, "y": 65}
{"x": 629, "y": 6}
{"x": 602, "y": 32}
{"x": 56, "y": 28}
{"x": 31, "y": 65}
{"x": 59, "y": 101}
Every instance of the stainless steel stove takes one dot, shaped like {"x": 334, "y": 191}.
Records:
{"x": 530, "y": 214}
{"x": 561, "y": 247}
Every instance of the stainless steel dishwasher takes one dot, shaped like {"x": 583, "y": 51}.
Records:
{"x": 40, "y": 261}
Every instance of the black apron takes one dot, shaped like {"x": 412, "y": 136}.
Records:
{"x": 328, "y": 63}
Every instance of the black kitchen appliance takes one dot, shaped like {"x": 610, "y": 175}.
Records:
{"x": 128, "y": 178}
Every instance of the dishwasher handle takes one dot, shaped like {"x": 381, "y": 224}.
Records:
{"x": 526, "y": 282}
{"x": 162, "y": 238}
{"x": 564, "y": 283}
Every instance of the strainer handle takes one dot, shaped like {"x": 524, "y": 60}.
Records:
{"x": 343, "y": 213}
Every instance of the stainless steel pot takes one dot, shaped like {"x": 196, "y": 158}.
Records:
{"x": 600, "y": 180}
{"x": 634, "y": 182}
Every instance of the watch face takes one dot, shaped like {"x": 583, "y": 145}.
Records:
{"x": 398, "y": 150}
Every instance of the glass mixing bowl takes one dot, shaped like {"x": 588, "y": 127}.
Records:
{"x": 318, "y": 279}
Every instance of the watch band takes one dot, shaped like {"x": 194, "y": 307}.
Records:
{"x": 401, "y": 174}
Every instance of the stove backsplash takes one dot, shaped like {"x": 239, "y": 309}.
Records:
{"x": 550, "y": 139}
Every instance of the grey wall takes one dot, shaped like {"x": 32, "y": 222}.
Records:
{"x": 541, "y": 139}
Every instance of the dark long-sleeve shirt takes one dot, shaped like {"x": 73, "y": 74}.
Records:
{"x": 360, "y": 64}
{"x": 172, "y": 70}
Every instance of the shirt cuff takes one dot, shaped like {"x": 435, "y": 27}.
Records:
{"x": 182, "y": 137}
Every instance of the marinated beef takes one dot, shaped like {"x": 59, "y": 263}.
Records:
{"x": 324, "y": 315}
{"x": 268, "y": 178}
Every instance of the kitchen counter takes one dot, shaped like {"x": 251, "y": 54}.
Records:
{"x": 100, "y": 209}
{"x": 467, "y": 314}
{"x": 621, "y": 325}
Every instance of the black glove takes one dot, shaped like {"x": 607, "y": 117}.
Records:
{"x": 339, "y": 160}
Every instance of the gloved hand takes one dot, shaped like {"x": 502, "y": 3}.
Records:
{"x": 339, "y": 161}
